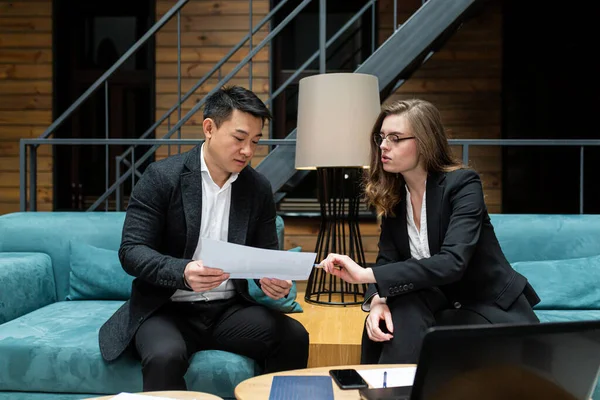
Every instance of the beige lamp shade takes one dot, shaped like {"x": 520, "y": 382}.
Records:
{"x": 336, "y": 113}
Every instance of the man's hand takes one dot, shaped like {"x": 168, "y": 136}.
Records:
{"x": 275, "y": 288}
{"x": 379, "y": 311}
{"x": 201, "y": 278}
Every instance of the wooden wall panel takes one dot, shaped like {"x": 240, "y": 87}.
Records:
{"x": 209, "y": 30}
{"x": 25, "y": 24}
{"x": 198, "y": 70}
{"x": 26, "y": 8}
{"x": 216, "y": 8}
{"x": 25, "y": 95}
{"x": 26, "y": 56}
{"x": 463, "y": 80}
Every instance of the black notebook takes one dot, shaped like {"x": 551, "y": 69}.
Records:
{"x": 301, "y": 388}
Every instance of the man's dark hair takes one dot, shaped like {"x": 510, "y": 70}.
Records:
{"x": 220, "y": 105}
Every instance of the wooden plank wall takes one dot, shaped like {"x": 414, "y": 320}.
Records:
{"x": 463, "y": 80}
{"x": 209, "y": 30}
{"x": 25, "y": 95}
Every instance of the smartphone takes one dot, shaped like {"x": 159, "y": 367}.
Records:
{"x": 348, "y": 379}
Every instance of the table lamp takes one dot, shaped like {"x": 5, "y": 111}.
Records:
{"x": 336, "y": 113}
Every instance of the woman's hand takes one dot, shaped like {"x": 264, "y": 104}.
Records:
{"x": 344, "y": 268}
{"x": 379, "y": 311}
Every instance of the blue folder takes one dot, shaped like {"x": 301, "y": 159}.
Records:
{"x": 301, "y": 388}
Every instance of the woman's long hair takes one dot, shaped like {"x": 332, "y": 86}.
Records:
{"x": 383, "y": 189}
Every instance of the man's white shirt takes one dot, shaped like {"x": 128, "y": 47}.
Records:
{"x": 216, "y": 203}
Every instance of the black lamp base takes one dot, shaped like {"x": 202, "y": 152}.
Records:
{"x": 339, "y": 198}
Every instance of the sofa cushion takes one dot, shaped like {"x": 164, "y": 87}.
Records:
{"x": 564, "y": 284}
{"x": 533, "y": 237}
{"x": 96, "y": 274}
{"x": 51, "y": 232}
{"x": 55, "y": 349}
{"x": 26, "y": 284}
{"x": 287, "y": 304}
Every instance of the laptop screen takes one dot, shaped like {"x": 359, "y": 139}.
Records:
{"x": 547, "y": 360}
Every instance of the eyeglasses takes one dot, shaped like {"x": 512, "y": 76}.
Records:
{"x": 392, "y": 139}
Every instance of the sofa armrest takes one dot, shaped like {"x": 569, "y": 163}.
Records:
{"x": 26, "y": 284}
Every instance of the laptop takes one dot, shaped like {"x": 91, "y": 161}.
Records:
{"x": 552, "y": 360}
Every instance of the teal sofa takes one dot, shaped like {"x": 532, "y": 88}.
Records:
{"x": 49, "y": 344}
{"x": 560, "y": 256}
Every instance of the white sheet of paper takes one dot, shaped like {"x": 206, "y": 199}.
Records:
{"x": 244, "y": 262}
{"x": 404, "y": 376}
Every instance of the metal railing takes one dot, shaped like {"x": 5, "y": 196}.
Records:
{"x": 32, "y": 144}
{"x": 132, "y": 167}
{"x": 464, "y": 143}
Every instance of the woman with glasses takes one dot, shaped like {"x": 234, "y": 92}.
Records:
{"x": 439, "y": 261}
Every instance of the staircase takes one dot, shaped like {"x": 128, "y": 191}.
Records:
{"x": 393, "y": 62}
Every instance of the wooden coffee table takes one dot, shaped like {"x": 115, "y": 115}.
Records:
{"x": 173, "y": 394}
{"x": 259, "y": 387}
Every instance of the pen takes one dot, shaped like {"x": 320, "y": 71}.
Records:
{"x": 384, "y": 379}
{"x": 321, "y": 266}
